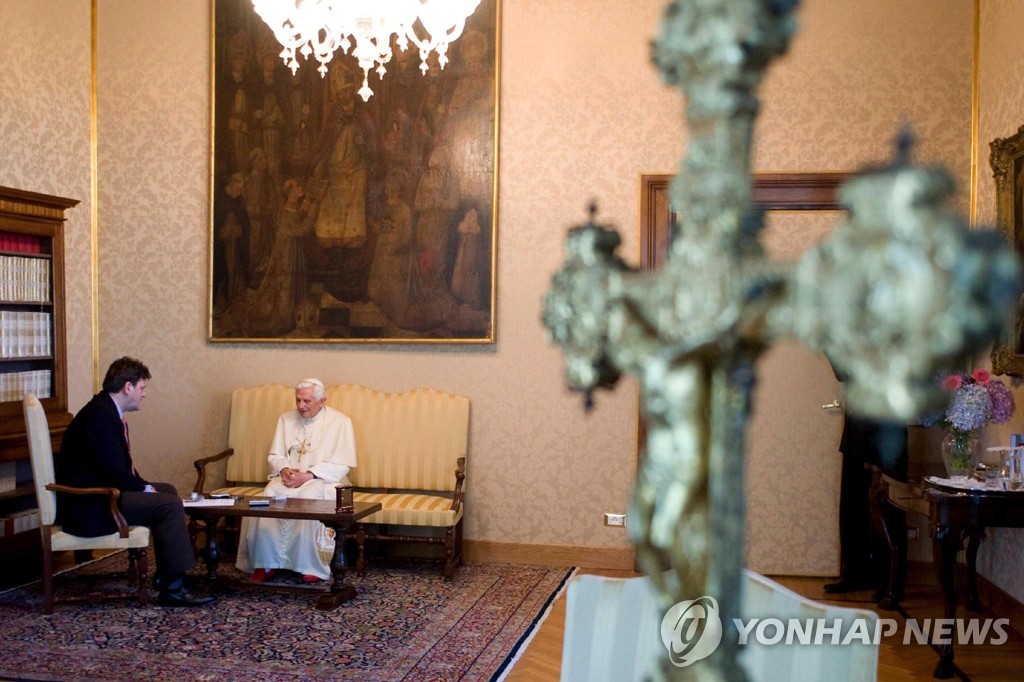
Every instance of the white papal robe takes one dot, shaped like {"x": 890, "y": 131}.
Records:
{"x": 324, "y": 445}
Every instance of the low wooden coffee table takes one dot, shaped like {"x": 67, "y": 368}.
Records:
{"x": 292, "y": 508}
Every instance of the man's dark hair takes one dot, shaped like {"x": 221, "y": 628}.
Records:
{"x": 124, "y": 370}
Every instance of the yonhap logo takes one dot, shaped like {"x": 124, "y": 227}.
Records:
{"x": 691, "y": 630}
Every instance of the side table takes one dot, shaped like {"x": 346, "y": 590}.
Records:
{"x": 954, "y": 516}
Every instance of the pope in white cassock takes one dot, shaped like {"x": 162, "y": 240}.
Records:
{"x": 313, "y": 450}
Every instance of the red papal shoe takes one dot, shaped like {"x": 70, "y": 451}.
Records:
{"x": 306, "y": 578}
{"x": 261, "y": 574}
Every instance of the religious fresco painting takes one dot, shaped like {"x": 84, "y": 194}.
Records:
{"x": 335, "y": 219}
{"x": 1007, "y": 161}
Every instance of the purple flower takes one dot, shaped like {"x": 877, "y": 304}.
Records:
{"x": 1002, "y": 401}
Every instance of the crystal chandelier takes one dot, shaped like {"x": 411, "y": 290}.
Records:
{"x": 319, "y": 27}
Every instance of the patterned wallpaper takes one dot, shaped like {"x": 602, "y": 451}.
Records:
{"x": 582, "y": 116}
{"x": 44, "y": 143}
{"x": 1001, "y": 109}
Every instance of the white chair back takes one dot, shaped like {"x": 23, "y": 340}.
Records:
{"x": 611, "y": 629}
{"x": 613, "y": 634}
{"x": 40, "y": 451}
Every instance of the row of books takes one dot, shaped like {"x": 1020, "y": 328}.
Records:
{"x": 22, "y": 243}
{"x": 24, "y": 334}
{"x": 14, "y": 385}
{"x": 24, "y": 279}
{"x": 19, "y": 522}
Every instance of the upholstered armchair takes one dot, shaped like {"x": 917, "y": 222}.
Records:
{"x": 133, "y": 538}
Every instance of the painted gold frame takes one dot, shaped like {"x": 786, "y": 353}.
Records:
{"x": 1007, "y": 161}
{"x": 338, "y": 220}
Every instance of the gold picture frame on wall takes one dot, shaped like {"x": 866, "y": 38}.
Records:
{"x": 338, "y": 220}
{"x": 1007, "y": 160}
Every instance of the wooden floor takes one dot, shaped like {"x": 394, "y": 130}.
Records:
{"x": 541, "y": 662}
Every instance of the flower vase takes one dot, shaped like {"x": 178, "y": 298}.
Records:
{"x": 960, "y": 453}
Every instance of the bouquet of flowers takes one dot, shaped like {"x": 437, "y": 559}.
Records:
{"x": 977, "y": 400}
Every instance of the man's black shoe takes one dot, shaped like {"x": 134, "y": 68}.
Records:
{"x": 179, "y": 595}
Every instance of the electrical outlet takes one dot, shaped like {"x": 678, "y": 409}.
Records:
{"x": 912, "y": 533}
{"x": 614, "y": 519}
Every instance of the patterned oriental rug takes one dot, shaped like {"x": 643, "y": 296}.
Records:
{"x": 405, "y": 624}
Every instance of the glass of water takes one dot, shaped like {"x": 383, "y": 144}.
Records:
{"x": 1012, "y": 469}
{"x": 993, "y": 474}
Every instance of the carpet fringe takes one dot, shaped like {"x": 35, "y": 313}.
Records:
{"x": 524, "y": 641}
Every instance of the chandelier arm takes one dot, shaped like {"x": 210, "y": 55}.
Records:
{"x": 321, "y": 27}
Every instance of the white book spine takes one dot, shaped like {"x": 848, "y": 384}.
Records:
{"x": 5, "y": 333}
{"x": 47, "y": 292}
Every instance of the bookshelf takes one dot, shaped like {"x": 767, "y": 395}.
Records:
{"x": 32, "y": 348}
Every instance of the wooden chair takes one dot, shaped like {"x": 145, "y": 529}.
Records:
{"x": 133, "y": 538}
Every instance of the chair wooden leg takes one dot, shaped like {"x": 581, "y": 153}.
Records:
{"x": 458, "y": 543}
{"x": 47, "y": 576}
{"x": 138, "y": 559}
{"x": 449, "y": 552}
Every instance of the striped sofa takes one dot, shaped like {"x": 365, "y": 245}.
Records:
{"x": 410, "y": 448}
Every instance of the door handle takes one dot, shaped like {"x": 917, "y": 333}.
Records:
{"x": 834, "y": 405}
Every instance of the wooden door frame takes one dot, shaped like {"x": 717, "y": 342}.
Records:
{"x": 771, "y": 192}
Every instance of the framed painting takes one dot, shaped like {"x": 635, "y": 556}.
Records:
{"x": 335, "y": 219}
{"x": 1007, "y": 160}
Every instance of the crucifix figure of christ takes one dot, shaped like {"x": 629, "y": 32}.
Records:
{"x": 899, "y": 290}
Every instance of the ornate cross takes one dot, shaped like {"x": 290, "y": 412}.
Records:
{"x": 900, "y": 289}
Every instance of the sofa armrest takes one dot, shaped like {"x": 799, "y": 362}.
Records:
{"x": 460, "y": 476}
{"x": 112, "y": 493}
{"x": 200, "y": 465}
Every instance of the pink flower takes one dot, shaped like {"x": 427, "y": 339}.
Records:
{"x": 953, "y": 382}
{"x": 981, "y": 376}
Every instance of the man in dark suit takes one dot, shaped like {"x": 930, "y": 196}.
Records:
{"x": 96, "y": 452}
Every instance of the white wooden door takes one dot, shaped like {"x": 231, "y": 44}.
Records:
{"x": 793, "y": 459}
